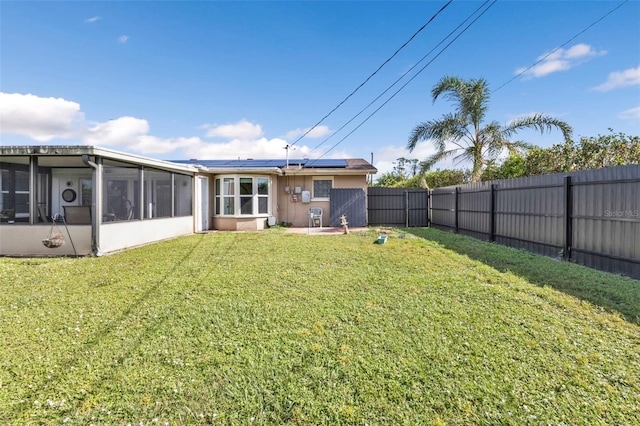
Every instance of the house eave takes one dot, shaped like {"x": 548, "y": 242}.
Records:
{"x": 294, "y": 171}
{"x": 244, "y": 170}
{"x": 78, "y": 150}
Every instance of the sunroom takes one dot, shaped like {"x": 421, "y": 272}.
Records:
{"x": 101, "y": 201}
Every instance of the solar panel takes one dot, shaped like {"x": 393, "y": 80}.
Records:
{"x": 326, "y": 162}
{"x": 319, "y": 163}
{"x": 235, "y": 163}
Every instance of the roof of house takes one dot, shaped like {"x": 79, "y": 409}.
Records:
{"x": 344, "y": 165}
{"x": 282, "y": 166}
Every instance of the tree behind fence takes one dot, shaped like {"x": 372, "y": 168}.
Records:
{"x": 591, "y": 217}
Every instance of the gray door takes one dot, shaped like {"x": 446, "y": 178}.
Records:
{"x": 350, "y": 202}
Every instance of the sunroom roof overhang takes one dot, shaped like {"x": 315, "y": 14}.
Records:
{"x": 80, "y": 150}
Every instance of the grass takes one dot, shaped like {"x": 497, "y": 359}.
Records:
{"x": 273, "y": 328}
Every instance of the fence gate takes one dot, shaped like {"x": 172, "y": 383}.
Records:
{"x": 401, "y": 207}
{"x": 350, "y": 202}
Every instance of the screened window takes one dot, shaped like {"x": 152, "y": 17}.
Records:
{"x": 157, "y": 193}
{"x": 183, "y": 195}
{"x": 162, "y": 193}
{"x": 14, "y": 189}
{"x": 120, "y": 191}
{"x": 86, "y": 189}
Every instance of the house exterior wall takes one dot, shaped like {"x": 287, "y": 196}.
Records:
{"x": 239, "y": 223}
{"x": 297, "y": 213}
{"x": 93, "y": 174}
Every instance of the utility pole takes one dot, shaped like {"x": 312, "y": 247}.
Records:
{"x": 371, "y": 176}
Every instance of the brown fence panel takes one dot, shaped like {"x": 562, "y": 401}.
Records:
{"x": 606, "y": 219}
{"x": 401, "y": 207}
{"x": 590, "y": 217}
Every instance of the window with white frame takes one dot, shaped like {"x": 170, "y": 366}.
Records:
{"x": 242, "y": 196}
{"x": 263, "y": 195}
{"x": 322, "y": 188}
{"x": 246, "y": 195}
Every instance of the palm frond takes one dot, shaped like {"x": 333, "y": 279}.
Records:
{"x": 542, "y": 123}
{"x": 452, "y": 87}
{"x": 418, "y": 134}
{"x": 430, "y": 161}
{"x": 438, "y": 131}
{"x": 476, "y": 101}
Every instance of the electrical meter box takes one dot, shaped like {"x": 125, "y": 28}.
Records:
{"x": 306, "y": 196}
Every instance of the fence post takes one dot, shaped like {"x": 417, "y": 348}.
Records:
{"x": 406, "y": 208}
{"x": 428, "y": 208}
{"x": 492, "y": 213}
{"x": 455, "y": 206}
{"x": 568, "y": 224}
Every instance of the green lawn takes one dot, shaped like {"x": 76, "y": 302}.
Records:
{"x": 273, "y": 328}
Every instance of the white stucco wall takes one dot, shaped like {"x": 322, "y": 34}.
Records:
{"x": 26, "y": 240}
{"x": 121, "y": 235}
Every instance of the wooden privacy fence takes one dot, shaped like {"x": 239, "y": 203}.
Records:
{"x": 591, "y": 217}
{"x": 402, "y": 207}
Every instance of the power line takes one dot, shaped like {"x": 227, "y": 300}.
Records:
{"x": 409, "y": 81}
{"x": 562, "y": 45}
{"x": 374, "y": 73}
{"x": 400, "y": 78}
{"x": 501, "y": 86}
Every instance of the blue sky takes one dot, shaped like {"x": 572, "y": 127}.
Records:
{"x": 209, "y": 80}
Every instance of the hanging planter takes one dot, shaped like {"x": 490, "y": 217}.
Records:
{"x": 55, "y": 238}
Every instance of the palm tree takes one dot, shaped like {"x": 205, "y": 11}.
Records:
{"x": 463, "y": 128}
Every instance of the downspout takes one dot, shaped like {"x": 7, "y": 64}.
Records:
{"x": 96, "y": 205}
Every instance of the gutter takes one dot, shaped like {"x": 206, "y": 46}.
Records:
{"x": 95, "y": 235}
{"x": 241, "y": 170}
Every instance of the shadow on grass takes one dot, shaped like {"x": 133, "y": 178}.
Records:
{"x": 612, "y": 292}
{"x": 72, "y": 360}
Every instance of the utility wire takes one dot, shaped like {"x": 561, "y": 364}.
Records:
{"x": 501, "y": 86}
{"x": 400, "y": 78}
{"x": 407, "y": 83}
{"x": 562, "y": 45}
{"x": 374, "y": 73}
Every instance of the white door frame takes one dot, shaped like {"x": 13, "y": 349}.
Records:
{"x": 202, "y": 203}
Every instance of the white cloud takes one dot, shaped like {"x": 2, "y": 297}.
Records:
{"x": 243, "y": 130}
{"x": 618, "y": 79}
{"x": 317, "y": 132}
{"x": 122, "y": 39}
{"x": 93, "y": 19}
{"x": 561, "y": 60}
{"x": 237, "y": 148}
{"x": 41, "y": 119}
{"x": 118, "y": 132}
{"x": 149, "y": 145}
{"x": 630, "y": 114}
{"x": 385, "y": 157}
